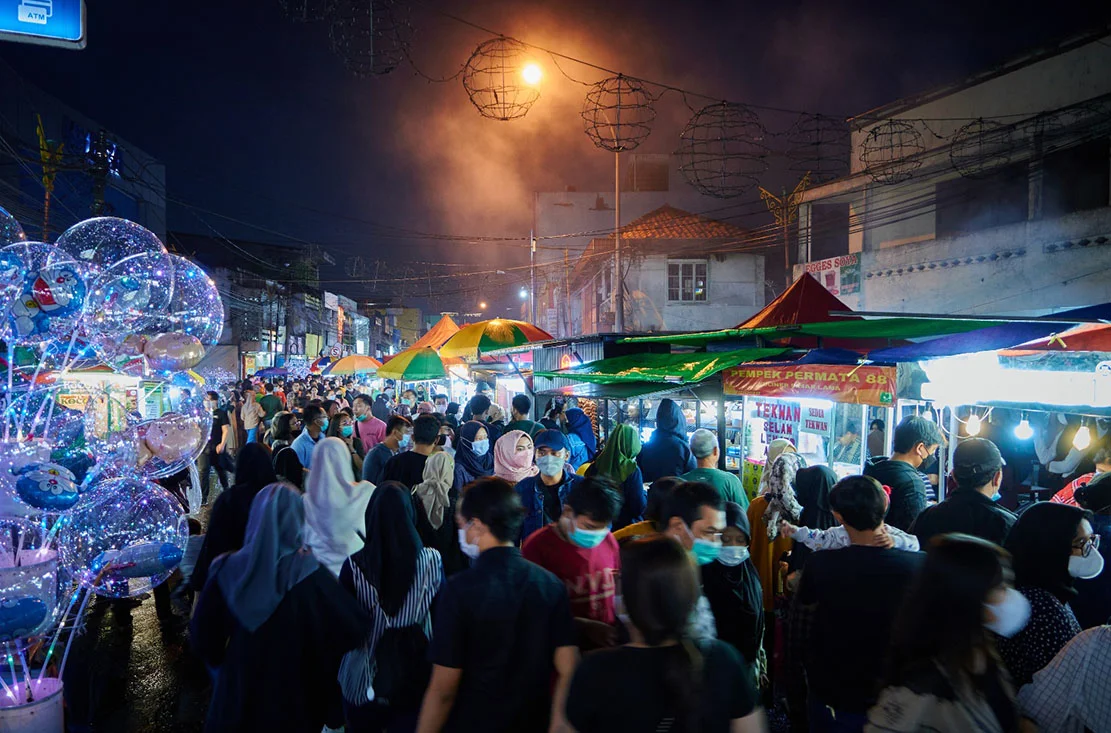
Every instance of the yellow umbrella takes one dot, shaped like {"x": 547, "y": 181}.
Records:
{"x": 354, "y": 364}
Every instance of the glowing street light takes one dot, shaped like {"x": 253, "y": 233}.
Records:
{"x": 532, "y": 73}
{"x": 524, "y": 294}
{"x": 482, "y": 306}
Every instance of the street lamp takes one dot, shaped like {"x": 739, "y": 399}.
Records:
{"x": 523, "y": 294}
{"x": 532, "y": 73}
{"x": 482, "y": 306}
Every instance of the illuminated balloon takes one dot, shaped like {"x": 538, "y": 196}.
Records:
{"x": 196, "y": 308}
{"x": 10, "y": 230}
{"x": 169, "y": 443}
{"x": 106, "y": 241}
{"x": 50, "y": 299}
{"x": 47, "y": 486}
{"x": 28, "y": 580}
{"x": 134, "y": 515}
{"x": 15, "y": 455}
{"x": 20, "y": 617}
{"x": 173, "y": 352}
{"x": 129, "y": 297}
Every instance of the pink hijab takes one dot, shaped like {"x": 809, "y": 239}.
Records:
{"x": 511, "y": 464}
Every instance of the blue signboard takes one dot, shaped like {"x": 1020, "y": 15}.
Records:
{"x": 46, "y": 22}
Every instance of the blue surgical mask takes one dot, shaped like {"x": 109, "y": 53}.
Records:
{"x": 550, "y": 465}
{"x": 588, "y": 538}
{"x": 347, "y": 430}
{"x": 996, "y": 496}
{"x": 704, "y": 551}
{"x": 405, "y": 440}
{"x": 324, "y": 425}
{"x": 733, "y": 556}
{"x": 480, "y": 447}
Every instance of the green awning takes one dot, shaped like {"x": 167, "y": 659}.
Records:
{"x": 870, "y": 328}
{"x": 677, "y": 369}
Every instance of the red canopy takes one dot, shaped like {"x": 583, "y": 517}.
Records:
{"x": 806, "y": 301}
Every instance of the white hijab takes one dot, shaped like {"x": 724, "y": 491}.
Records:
{"x": 335, "y": 505}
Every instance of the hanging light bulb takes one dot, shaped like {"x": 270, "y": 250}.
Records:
{"x": 1023, "y": 431}
{"x": 972, "y": 427}
{"x": 1083, "y": 437}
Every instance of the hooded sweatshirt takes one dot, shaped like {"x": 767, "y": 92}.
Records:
{"x": 667, "y": 453}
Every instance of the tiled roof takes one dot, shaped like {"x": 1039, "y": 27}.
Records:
{"x": 667, "y": 222}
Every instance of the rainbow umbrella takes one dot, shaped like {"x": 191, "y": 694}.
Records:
{"x": 354, "y": 364}
{"x": 498, "y": 334}
{"x": 414, "y": 365}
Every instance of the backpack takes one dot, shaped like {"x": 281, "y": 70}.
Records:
{"x": 401, "y": 669}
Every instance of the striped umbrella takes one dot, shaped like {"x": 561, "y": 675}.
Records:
{"x": 354, "y": 364}
{"x": 500, "y": 333}
{"x": 414, "y": 365}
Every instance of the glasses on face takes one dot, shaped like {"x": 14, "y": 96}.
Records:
{"x": 1086, "y": 546}
{"x": 711, "y": 534}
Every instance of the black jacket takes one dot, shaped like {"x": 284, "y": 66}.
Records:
{"x": 908, "y": 491}
{"x": 967, "y": 512}
{"x": 667, "y": 453}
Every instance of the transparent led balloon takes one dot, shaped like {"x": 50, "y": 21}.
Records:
{"x": 10, "y": 230}
{"x": 110, "y": 428}
{"x": 106, "y": 241}
{"x": 126, "y": 298}
{"x": 28, "y": 580}
{"x": 129, "y": 542}
{"x": 50, "y": 299}
{"x": 171, "y": 442}
{"x": 195, "y": 308}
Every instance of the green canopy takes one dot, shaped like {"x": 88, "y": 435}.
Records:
{"x": 674, "y": 369}
{"x": 871, "y": 328}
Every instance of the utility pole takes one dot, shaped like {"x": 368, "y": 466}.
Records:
{"x": 99, "y": 155}
{"x": 50, "y": 153}
{"x": 785, "y": 209}
{"x": 532, "y": 275}
{"x": 619, "y": 278}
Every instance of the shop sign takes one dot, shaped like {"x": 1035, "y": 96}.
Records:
{"x": 838, "y": 275}
{"x": 781, "y": 420}
{"x": 862, "y": 385}
{"x": 814, "y": 420}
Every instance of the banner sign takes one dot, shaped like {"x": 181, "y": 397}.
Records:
{"x": 781, "y": 420}
{"x": 44, "y": 22}
{"x": 838, "y": 275}
{"x": 861, "y": 385}
{"x": 815, "y": 420}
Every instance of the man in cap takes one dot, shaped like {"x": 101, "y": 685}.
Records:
{"x": 544, "y": 494}
{"x": 972, "y": 508}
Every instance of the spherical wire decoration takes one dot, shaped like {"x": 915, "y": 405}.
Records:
{"x": 890, "y": 151}
{"x": 493, "y": 79}
{"x": 371, "y": 36}
{"x": 981, "y": 147}
{"x": 306, "y": 11}
{"x": 618, "y": 113}
{"x": 722, "y": 150}
{"x": 819, "y": 145}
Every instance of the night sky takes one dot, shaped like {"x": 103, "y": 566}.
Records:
{"x": 258, "y": 120}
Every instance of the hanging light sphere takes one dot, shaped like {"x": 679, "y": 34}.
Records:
{"x": 980, "y": 147}
{"x": 890, "y": 151}
{"x": 306, "y": 11}
{"x": 371, "y": 36}
{"x": 722, "y": 150}
{"x": 495, "y": 79}
{"x": 618, "y": 114}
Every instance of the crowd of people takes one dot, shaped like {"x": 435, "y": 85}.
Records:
{"x": 400, "y": 562}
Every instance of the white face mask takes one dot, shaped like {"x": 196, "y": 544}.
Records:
{"x": 468, "y": 549}
{"x": 733, "y": 555}
{"x": 442, "y": 409}
{"x": 1011, "y": 614}
{"x": 1088, "y": 567}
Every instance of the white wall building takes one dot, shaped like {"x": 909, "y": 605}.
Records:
{"x": 991, "y": 195}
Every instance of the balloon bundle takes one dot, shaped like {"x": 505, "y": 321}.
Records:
{"x": 98, "y": 327}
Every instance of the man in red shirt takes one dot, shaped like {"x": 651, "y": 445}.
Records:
{"x": 580, "y": 550}
{"x": 1102, "y": 459}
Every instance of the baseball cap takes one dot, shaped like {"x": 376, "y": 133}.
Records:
{"x": 976, "y": 459}
{"x": 553, "y": 439}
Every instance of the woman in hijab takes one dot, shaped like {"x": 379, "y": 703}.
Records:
{"x": 668, "y": 452}
{"x": 230, "y": 511}
{"x": 1051, "y": 545}
{"x": 513, "y": 457}
{"x": 767, "y": 552}
{"x": 812, "y": 487}
{"x": 434, "y": 500}
{"x": 395, "y": 578}
{"x": 473, "y": 459}
{"x": 274, "y": 595}
{"x": 618, "y": 463}
{"x": 732, "y": 587}
{"x": 580, "y": 436}
{"x": 334, "y": 505}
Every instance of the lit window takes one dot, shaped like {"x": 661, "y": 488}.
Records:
{"x": 687, "y": 282}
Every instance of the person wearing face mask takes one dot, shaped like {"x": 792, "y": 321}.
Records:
{"x": 846, "y": 604}
{"x": 1092, "y": 604}
{"x": 618, "y": 463}
{"x": 407, "y": 467}
{"x": 943, "y": 672}
{"x": 973, "y": 507}
{"x": 315, "y": 429}
{"x": 520, "y": 408}
{"x": 409, "y": 399}
{"x": 693, "y": 514}
{"x": 545, "y": 494}
{"x": 916, "y": 439}
{"x": 343, "y": 427}
{"x": 451, "y": 415}
{"x": 473, "y": 459}
{"x": 369, "y": 429}
{"x": 399, "y": 435}
{"x": 513, "y": 457}
{"x": 580, "y": 550}
{"x": 440, "y": 403}
{"x": 216, "y": 451}
{"x": 500, "y": 628}
{"x": 1052, "y": 545}
{"x": 446, "y": 441}
{"x": 732, "y": 587}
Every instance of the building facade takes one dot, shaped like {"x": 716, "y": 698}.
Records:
{"x": 991, "y": 195}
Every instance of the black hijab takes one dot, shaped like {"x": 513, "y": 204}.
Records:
{"x": 1040, "y": 544}
{"x": 388, "y": 560}
{"x": 812, "y": 487}
{"x": 254, "y": 469}
{"x": 464, "y": 451}
{"x": 735, "y": 593}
